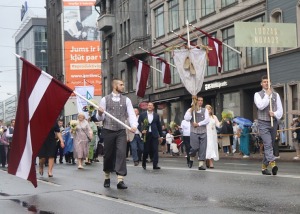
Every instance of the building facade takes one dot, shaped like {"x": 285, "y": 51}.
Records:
{"x": 125, "y": 26}
{"x": 239, "y": 79}
{"x": 284, "y": 68}
{"x": 31, "y": 44}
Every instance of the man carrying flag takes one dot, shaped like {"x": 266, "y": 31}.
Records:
{"x": 40, "y": 102}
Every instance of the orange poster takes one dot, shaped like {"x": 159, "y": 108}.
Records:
{"x": 82, "y": 49}
{"x": 83, "y": 63}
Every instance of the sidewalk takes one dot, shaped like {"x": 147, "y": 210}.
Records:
{"x": 284, "y": 156}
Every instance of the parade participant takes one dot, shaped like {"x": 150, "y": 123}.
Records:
{"x": 59, "y": 150}
{"x": 265, "y": 115}
{"x": 137, "y": 145}
{"x": 186, "y": 131}
{"x": 198, "y": 138}
{"x": 81, "y": 137}
{"x": 150, "y": 127}
{"x": 114, "y": 134}
{"x": 212, "y": 152}
{"x": 3, "y": 146}
{"x": 9, "y": 135}
{"x": 48, "y": 149}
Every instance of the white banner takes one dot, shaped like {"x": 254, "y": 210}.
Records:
{"x": 88, "y": 93}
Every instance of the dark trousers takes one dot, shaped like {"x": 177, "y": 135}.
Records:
{"x": 151, "y": 145}
{"x": 61, "y": 153}
{"x": 3, "y": 155}
{"x": 115, "y": 144}
{"x": 186, "y": 141}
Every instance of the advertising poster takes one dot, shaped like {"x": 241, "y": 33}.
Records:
{"x": 82, "y": 45}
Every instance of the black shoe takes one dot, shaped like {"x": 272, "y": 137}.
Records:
{"x": 201, "y": 168}
{"x": 190, "y": 164}
{"x": 266, "y": 172}
{"x": 107, "y": 183}
{"x": 144, "y": 165}
{"x": 121, "y": 185}
{"x": 136, "y": 163}
{"x": 275, "y": 170}
{"x": 156, "y": 167}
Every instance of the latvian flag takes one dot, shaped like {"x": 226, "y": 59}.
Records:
{"x": 142, "y": 75}
{"x": 41, "y": 100}
{"x": 165, "y": 68}
{"x": 215, "y": 55}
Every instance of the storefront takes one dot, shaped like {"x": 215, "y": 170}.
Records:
{"x": 235, "y": 93}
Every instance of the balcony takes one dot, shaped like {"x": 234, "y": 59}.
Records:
{"x": 106, "y": 22}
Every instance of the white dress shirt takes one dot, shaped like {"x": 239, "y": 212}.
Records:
{"x": 150, "y": 119}
{"x": 186, "y": 128}
{"x": 116, "y": 98}
{"x": 262, "y": 103}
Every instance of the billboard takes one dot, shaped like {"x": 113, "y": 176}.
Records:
{"x": 82, "y": 45}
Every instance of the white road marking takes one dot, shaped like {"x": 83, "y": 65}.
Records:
{"x": 117, "y": 200}
{"x": 48, "y": 182}
{"x": 233, "y": 172}
{"x": 239, "y": 164}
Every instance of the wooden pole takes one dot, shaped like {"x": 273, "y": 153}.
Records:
{"x": 105, "y": 112}
{"x": 269, "y": 81}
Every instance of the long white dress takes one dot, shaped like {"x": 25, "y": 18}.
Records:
{"x": 212, "y": 151}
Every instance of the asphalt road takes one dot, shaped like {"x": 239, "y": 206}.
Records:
{"x": 234, "y": 186}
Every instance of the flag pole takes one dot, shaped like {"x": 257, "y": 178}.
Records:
{"x": 228, "y": 46}
{"x": 149, "y": 65}
{"x": 105, "y": 112}
{"x": 149, "y": 52}
{"x": 269, "y": 81}
{"x": 188, "y": 33}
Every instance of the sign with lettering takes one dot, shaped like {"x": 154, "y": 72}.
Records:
{"x": 215, "y": 85}
{"x": 259, "y": 34}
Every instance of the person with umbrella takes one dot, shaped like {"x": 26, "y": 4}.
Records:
{"x": 269, "y": 108}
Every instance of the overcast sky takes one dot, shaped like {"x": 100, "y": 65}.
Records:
{"x": 10, "y": 17}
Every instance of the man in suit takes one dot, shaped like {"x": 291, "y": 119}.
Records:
{"x": 149, "y": 125}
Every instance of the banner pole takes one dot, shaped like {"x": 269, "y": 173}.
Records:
{"x": 105, "y": 112}
{"x": 269, "y": 81}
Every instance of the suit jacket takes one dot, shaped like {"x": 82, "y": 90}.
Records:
{"x": 155, "y": 125}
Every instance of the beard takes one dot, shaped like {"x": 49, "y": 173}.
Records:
{"x": 119, "y": 90}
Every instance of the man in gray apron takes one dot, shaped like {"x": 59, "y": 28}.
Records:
{"x": 265, "y": 115}
{"x": 198, "y": 137}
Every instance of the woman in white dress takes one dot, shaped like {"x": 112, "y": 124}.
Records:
{"x": 212, "y": 152}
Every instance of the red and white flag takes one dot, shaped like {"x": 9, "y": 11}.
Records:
{"x": 142, "y": 75}
{"x": 40, "y": 102}
{"x": 215, "y": 55}
{"x": 165, "y": 68}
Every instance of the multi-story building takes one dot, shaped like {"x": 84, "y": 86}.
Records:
{"x": 31, "y": 44}
{"x": 125, "y": 26}
{"x": 239, "y": 79}
{"x": 284, "y": 66}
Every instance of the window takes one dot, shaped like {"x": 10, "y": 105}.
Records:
{"x": 159, "y": 22}
{"x": 173, "y": 15}
{"x": 128, "y": 31}
{"x": 231, "y": 101}
{"x": 210, "y": 70}
{"x": 189, "y": 10}
{"x": 121, "y": 35}
{"x": 159, "y": 78}
{"x": 227, "y": 2}
{"x": 294, "y": 97}
{"x": 255, "y": 55}
{"x": 230, "y": 57}
{"x": 105, "y": 86}
{"x": 175, "y": 79}
{"x": 123, "y": 78}
{"x": 207, "y": 7}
